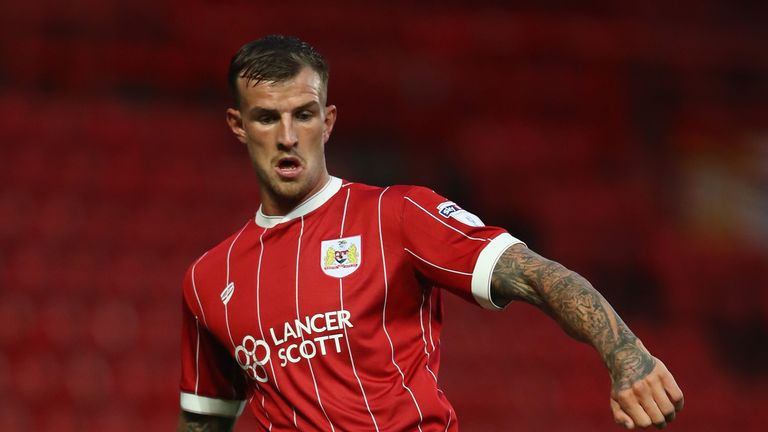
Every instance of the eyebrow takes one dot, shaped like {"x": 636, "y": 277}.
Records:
{"x": 261, "y": 110}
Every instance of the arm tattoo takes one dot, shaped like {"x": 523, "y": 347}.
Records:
{"x": 191, "y": 422}
{"x": 581, "y": 311}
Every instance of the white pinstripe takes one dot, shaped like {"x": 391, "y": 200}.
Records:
{"x": 450, "y": 414}
{"x": 437, "y": 266}
{"x": 432, "y": 344}
{"x": 226, "y": 318}
{"x": 264, "y": 408}
{"x": 194, "y": 288}
{"x": 384, "y": 314}
{"x": 424, "y": 335}
{"x": 435, "y": 218}
{"x": 197, "y": 324}
{"x": 229, "y": 252}
{"x": 298, "y": 317}
{"x": 344, "y": 215}
{"x": 429, "y": 322}
{"x": 226, "y": 311}
{"x": 450, "y": 410}
{"x": 258, "y": 318}
{"x": 346, "y": 337}
{"x": 424, "y": 338}
{"x": 258, "y": 303}
{"x": 431, "y": 341}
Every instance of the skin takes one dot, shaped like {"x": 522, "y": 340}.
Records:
{"x": 290, "y": 119}
{"x": 285, "y": 119}
{"x": 191, "y": 422}
{"x": 643, "y": 392}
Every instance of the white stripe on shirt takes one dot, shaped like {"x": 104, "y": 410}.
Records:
{"x": 258, "y": 318}
{"x": 298, "y": 317}
{"x": 437, "y": 266}
{"x": 384, "y": 315}
{"x": 346, "y": 336}
{"x": 194, "y": 288}
{"x": 226, "y": 312}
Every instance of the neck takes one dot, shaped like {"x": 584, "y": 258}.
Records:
{"x": 273, "y": 204}
{"x": 280, "y": 207}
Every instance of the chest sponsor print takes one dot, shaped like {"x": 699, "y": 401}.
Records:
{"x": 341, "y": 257}
{"x": 317, "y": 335}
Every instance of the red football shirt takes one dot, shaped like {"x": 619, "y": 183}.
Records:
{"x": 329, "y": 318}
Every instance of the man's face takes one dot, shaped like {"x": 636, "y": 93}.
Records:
{"x": 285, "y": 126}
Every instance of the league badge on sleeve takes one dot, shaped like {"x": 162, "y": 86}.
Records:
{"x": 451, "y": 209}
{"x": 341, "y": 257}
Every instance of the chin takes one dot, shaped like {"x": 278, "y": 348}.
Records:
{"x": 292, "y": 190}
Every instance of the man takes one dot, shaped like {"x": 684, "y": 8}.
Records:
{"x": 323, "y": 312}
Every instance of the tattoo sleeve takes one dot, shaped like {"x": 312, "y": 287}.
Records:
{"x": 581, "y": 311}
{"x": 191, "y": 422}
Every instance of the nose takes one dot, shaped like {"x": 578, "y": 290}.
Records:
{"x": 287, "y": 136}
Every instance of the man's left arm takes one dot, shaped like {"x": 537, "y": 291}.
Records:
{"x": 643, "y": 391}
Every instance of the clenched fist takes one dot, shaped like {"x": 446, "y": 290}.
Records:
{"x": 650, "y": 400}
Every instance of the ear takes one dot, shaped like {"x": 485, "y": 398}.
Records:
{"x": 235, "y": 122}
{"x": 330, "y": 120}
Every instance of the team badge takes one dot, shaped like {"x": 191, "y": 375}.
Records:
{"x": 340, "y": 257}
{"x": 452, "y": 210}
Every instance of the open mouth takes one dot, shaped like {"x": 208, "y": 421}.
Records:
{"x": 288, "y": 167}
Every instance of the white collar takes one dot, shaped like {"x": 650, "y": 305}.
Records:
{"x": 312, "y": 203}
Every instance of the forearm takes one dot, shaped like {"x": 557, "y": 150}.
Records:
{"x": 191, "y": 422}
{"x": 579, "y": 309}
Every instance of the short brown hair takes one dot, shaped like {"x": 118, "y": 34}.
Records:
{"x": 273, "y": 59}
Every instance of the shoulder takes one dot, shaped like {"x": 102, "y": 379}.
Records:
{"x": 213, "y": 261}
{"x": 394, "y": 199}
{"x": 393, "y": 204}
{"x": 388, "y": 194}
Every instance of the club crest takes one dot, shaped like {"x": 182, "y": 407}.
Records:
{"x": 341, "y": 257}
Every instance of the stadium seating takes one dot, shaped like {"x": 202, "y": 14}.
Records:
{"x": 575, "y": 130}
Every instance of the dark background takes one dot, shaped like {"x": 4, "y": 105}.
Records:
{"x": 629, "y": 142}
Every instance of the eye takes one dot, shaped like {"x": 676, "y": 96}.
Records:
{"x": 304, "y": 115}
{"x": 266, "y": 119}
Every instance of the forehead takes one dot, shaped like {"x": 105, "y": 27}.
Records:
{"x": 306, "y": 86}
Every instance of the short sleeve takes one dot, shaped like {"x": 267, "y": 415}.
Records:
{"x": 451, "y": 246}
{"x": 211, "y": 381}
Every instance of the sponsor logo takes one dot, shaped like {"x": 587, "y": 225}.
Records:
{"x": 252, "y": 355}
{"x": 452, "y": 210}
{"x": 448, "y": 208}
{"x": 314, "y": 335}
{"x": 339, "y": 258}
{"x": 227, "y": 293}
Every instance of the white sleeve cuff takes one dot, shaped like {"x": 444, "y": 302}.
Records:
{"x": 486, "y": 262}
{"x": 205, "y": 405}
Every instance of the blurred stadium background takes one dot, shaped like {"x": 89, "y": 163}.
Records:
{"x": 628, "y": 141}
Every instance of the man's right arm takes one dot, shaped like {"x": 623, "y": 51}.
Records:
{"x": 191, "y": 422}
